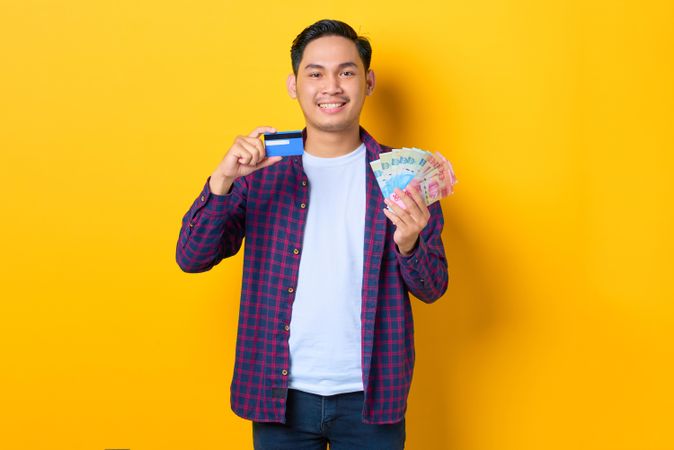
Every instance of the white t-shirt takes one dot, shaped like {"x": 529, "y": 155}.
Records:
{"x": 325, "y": 328}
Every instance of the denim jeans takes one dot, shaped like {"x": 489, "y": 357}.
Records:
{"x": 313, "y": 421}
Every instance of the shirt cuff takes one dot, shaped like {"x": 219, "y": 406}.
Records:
{"x": 211, "y": 203}
{"x": 417, "y": 253}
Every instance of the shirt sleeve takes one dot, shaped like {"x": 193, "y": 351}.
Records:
{"x": 213, "y": 228}
{"x": 425, "y": 269}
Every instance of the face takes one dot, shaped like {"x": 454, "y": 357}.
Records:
{"x": 331, "y": 84}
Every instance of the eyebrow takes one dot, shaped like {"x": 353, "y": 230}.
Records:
{"x": 341, "y": 66}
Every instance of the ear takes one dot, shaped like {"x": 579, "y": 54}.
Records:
{"x": 369, "y": 82}
{"x": 291, "y": 84}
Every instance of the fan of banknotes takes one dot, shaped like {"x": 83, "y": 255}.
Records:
{"x": 429, "y": 173}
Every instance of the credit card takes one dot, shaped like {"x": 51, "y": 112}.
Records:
{"x": 284, "y": 143}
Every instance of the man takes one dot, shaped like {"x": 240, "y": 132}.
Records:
{"x": 325, "y": 346}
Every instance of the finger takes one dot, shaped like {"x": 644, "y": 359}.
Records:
{"x": 410, "y": 205}
{"x": 418, "y": 199}
{"x": 256, "y": 148}
{"x": 402, "y": 217}
{"x": 260, "y": 130}
{"x": 416, "y": 207}
{"x": 391, "y": 216}
{"x": 252, "y": 150}
{"x": 243, "y": 157}
{"x": 270, "y": 161}
{"x": 238, "y": 150}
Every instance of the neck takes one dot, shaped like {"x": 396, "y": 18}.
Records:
{"x": 331, "y": 144}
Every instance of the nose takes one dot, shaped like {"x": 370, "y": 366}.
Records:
{"x": 332, "y": 85}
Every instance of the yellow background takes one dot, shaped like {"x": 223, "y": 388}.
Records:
{"x": 557, "y": 331}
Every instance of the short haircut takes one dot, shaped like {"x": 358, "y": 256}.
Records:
{"x": 328, "y": 27}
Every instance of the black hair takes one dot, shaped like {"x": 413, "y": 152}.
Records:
{"x": 327, "y": 27}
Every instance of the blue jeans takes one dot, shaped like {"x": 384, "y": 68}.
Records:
{"x": 313, "y": 421}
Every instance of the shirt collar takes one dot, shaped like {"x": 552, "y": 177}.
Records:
{"x": 371, "y": 145}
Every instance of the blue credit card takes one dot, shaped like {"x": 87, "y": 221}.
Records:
{"x": 284, "y": 143}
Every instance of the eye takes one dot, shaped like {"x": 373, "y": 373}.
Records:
{"x": 348, "y": 73}
{"x": 314, "y": 75}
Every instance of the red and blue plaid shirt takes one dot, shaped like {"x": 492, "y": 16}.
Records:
{"x": 269, "y": 208}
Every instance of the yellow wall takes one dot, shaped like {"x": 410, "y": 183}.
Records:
{"x": 557, "y": 329}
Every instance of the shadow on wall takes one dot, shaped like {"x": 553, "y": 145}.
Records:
{"x": 450, "y": 332}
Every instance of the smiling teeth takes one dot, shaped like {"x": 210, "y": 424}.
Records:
{"x": 330, "y": 105}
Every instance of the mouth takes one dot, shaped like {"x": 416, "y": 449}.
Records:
{"x": 331, "y": 107}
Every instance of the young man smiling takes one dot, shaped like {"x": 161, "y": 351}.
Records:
{"x": 325, "y": 346}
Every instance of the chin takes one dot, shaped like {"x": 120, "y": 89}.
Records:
{"x": 332, "y": 126}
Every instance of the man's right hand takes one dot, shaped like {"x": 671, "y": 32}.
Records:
{"x": 245, "y": 156}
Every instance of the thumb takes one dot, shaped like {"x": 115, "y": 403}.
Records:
{"x": 269, "y": 161}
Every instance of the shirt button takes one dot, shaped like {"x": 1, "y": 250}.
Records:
{"x": 304, "y": 182}
{"x": 286, "y": 327}
{"x": 191, "y": 224}
{"x": 284, "y": 372}
{"x": 203, "y": 198}
{"x": 296, "y": 252}
{"x": 291, "y": 290}
{"x": 303, "y": 205}
{"x": 421, "y": 280}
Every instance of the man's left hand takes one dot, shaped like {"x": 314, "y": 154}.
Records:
{"x": 409, "y": 221}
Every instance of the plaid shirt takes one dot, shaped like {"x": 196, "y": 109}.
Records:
{"x": 269, "y": 208}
